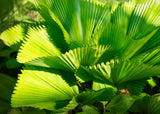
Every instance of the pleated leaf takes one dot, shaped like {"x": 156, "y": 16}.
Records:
{"x": 117, "y": 72}
{"x": 134, "y": 46}
{"x": 124, "y": 71}
{"x": 37, "y": 45}
{"x": 151, "y": 57}
{"x": 71, "y": 60}
{"x": 98, "y": 73}
{"x": 42, "y": 88}
{"x": 77, "y": 18}
{"x": 57, "y": 36}
{"x": 114, "y": 36}
{"x": 122, "y": 14}
{"x": 144, "y": 19}
{"x": 134, "y": 87}
{"x": 13, "y": 36}
{"x": 137, "y": 18}
{"x": 153, "y": 42}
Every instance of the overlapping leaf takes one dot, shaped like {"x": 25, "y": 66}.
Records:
{"x": 90, "y": 97}
{"x": 152, "y": 42}
{"x": 42, "y": 88}
{"x": 73, "y": 59}
{"x": 37, "y": 44}
{"x": 142, "y": 22}
{"x": 151, "y": 57}
{"x": 13, "y": 36}
{"x": 81, "y": 27}
{"x": 138, "y": 24}
{"x": 147, "y": 104}
{"x": 122, "y": 14}
{"x": 135, "y": 17}
{"x": 114, "y": 36}
{"x": 117, "y": 71}
{"x": 77, "y": 18}
{"x": 120, "y": 103}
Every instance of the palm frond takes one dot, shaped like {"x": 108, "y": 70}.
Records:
{"x": 135, "y": 45}
{"x": 71, "y": 60}
{"x": 42, "y": 89}
{"x": 134, "y": 87}
{"x": 121, "y": 15}
{"x": 153, "y": 42}
{"x": 74, "y": 18}
{"x": 112, "y": 35}
{"x": 151, "y": 57}
{"x": 147, "y": 104}
{"x": 37, "y": 44}
{"x": 117, "y": 72}
{"x": 144, "y": 19}
{"x": 13, "y": 36}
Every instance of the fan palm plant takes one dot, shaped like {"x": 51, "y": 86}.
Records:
{"x": 87, "y": 53}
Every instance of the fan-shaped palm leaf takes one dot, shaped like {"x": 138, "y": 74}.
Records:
{"x": 43, "y": 89}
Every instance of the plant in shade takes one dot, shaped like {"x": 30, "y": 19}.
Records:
{"x": 89, "y": 57}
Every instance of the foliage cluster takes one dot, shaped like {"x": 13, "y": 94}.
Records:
{"x": 88, "y": 57}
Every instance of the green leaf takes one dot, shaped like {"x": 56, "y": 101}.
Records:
{"x": 151, "y": 57}
{"x": 135, "y": 87}
{"x": 32, "y": 111}
{"x": 77, "y": 22}
{"x": 117, "y": 72}
{"x": 4, "y": 107}
{"x": 71, "y": 60}
{"x": 120, "y": 103}
{"x": 112, "y": 35}
{"x": 57, "y": 36}
{"x": 37, "y": 45}
{"x": 98, "y": 86}
{"x": 153, "y": 42}
{"x": 147, "y": 104}
{"x": 98, "y": 73}
{"x": 121, "y": 15}
{"x": 12, "y": 63}
{"x": 89, "y": 97}
{"x": 13, "y": 36}
{"x": 151, "y": 82}
{"x": 124, "y": 71}
{"x": 140, "y": 103}
{"x": 44, "y": 89}
{"x": 15, "y": 111}
{"x": 6, "y": 52}
{"x": 7, "y": 84}
{"x": 89, "y": 110}
{"x": 135, "y": 45}
{"x": 141, "y": 22}
{"x": 134, "y": 17}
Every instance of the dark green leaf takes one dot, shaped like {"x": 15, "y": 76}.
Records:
{"x": 120, "y": 103}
